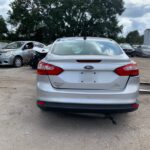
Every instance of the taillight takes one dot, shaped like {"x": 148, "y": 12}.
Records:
{"x": 41, "y": 103}
{"x": 135, "y": 105}
{"x": 48, "y": 69}
{"x": 128, "y": 70}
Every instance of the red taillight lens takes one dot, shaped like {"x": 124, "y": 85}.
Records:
{"x": 128, "y": 70}
{"x": 48, "y": 69}
{"x": 41, "y": 103}
{"x": 135, "y": 106}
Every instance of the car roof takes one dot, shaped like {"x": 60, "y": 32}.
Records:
{"x": 27, "y": 42}
{"x": 82, "y": 38}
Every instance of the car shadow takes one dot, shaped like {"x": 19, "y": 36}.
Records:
{"x": 12, "y": 67}
{"x": 81, "y": 122}
{"x": 7, "y": 67}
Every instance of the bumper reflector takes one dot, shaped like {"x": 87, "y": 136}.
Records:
{"x": 135, "y": 105}
{"x": 41, "y": 103}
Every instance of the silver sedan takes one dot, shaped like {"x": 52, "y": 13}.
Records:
{"x": 18, "y": 53}
{"x": 87, "y": 75}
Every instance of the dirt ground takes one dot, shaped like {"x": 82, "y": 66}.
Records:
{"x": 24, "y": 127}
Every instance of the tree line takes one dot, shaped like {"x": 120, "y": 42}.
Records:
{"x": 46, "y": 20}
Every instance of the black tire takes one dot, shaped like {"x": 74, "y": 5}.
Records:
{"x": 18, "y": 62}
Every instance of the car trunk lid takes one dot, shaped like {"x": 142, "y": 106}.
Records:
{"x": 89, "y": 72}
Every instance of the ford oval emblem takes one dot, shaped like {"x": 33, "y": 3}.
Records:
{"x": 89, "y": 67}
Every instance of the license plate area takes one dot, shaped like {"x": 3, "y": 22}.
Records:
{"x": 88, "y": 77}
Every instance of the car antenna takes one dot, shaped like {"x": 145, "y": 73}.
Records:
{"x": 85, "y": 31}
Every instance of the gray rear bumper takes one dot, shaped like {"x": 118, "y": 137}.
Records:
{"x": 93, "y": 108}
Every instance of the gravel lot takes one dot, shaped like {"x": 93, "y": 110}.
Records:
{"x": 24, "y": 127}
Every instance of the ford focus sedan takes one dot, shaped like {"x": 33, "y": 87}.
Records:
{"x": 87, "y": 75}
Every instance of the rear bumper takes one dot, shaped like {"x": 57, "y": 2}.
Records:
{"x": 89, "y": 108}
{"x": 98, "y": 97}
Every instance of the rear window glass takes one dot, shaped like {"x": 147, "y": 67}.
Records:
{"x": 78, "y": 47}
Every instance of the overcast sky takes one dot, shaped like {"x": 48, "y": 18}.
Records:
{"x": 135, "y": 17}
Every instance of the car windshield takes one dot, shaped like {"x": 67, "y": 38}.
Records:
{"x": 88, "y": 47}
{"x": 126, "y": 46}
{"x": 39, "y": 45}
{"x": 14, "y": 45}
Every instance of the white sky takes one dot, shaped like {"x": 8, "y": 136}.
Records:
{"x": 135, "y": 17}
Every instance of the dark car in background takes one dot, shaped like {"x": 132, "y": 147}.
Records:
{"x": 143, "y": 51}
{"x": 128, "y": 49}
{"x": 135, "y": 46}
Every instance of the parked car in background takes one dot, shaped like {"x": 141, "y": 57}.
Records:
{"x": 18, "y": 53}
{"x": 3, "y": 44}
{"x": 129, "y": 50}
{"x": 135, "y": 46}
{"x": 143, "y": 51}
{"x": 87, "y": 75}
{"x": 39, "y": 54}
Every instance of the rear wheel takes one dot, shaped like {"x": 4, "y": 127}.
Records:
{"x": 18, "y": 62}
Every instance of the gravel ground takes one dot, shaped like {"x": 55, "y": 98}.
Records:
{"x": 24, "y": 127}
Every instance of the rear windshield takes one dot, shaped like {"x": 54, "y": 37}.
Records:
{"x": 80, "y": 47}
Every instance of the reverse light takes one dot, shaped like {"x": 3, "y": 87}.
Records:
{"x": 48, "y": 69}
{"x": 128, "y": 70}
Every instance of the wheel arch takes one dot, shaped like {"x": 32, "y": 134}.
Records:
{"x": 18, "y": 56}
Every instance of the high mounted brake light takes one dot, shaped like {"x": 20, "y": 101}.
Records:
{"x": 48, "y": 69}
{"x": 128, "y": 70}
{"x": 88, "y": 61}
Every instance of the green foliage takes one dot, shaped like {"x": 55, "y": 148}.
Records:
{"x": 121, "y": 39}
{"x": 134, "y": 38}
{"x": 3, "y": 28}
{"x": 46, "y": 20}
